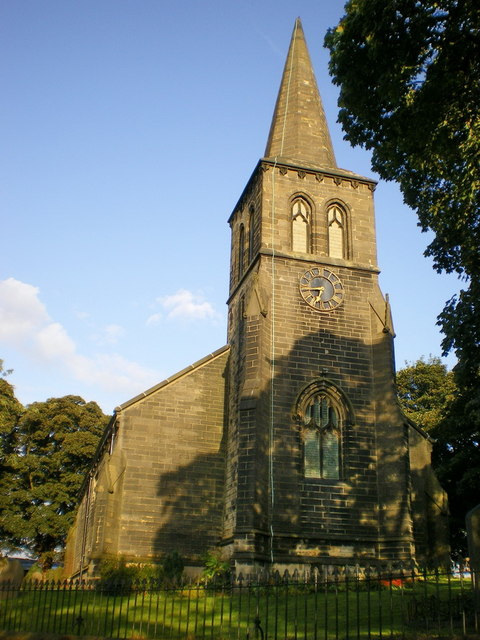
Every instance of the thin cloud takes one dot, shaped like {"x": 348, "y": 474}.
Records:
{"x": 21, "y": 312}
{"x": 113, "y": 372}
{"x": 109, "y": 335}
{"x": 25, "y": 323}
{"x": 187, "y": 306}
{"x": 53, "y": 343}
{"x": 114, "y": 332}
{"x": 154, "y": 319}
{"x": 82, "y": 315}
{"x": 277, "y": 50}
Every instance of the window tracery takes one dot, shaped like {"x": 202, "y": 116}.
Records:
{"x": 336, "y": 219}
{"x": 321, "y": 439}
{"x": 322, "y": 414}
{"x": 301, "y": 215}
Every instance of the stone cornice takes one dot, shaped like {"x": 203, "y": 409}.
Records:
{"x": 341, "y": 177}
{"x": 320, "y": 173}
{"x": 320, "y": 260}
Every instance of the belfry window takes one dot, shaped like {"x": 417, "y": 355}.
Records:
{"x": 336, "y": 232}
{"x": 251, "y": 233}
{"x": 300, "y": 225}
{"x": 241, "y": 251}
{"x": 322, "y": 437}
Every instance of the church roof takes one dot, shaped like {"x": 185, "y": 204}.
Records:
{"x": 192, "y": 367}
{"x": 299, "y": 132}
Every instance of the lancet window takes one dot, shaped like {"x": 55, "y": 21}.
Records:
{"x": 251, "y": 233}
{"x": 336, "y": 220}
{"x": 241, "y": 251}
{"x": 301, "y": 220}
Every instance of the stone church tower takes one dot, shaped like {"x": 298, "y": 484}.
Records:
{"x": 286, "y": 447}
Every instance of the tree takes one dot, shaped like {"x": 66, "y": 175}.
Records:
{"x": 409, "y": 77}
{"x": 10, "y": 412}
{"x": 456, "y": 459}
{"x": 409, "y": 74}
{"x": 429, "y": 396}
{"x": 51, "y": 446}
{"x": 426, "y": 390}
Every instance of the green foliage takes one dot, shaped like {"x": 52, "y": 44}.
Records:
{"x": 435, "y": 607}
{"x": 426, "y": 390}
{"x": 45, "y": 452}
{"x": 118, "y": 576}
{"x": 115, "y": 575}
{"x": 173, "y": 566}
{"x": 10, "y": 412}
{"x": 4, "y": 372}
{"x": 456, "y": 458}
{"x": 409, "y": 77}
{"x": 409, "y": 74}
{"x": 429, "y": 396}
{"x": 35, "y": 573}
{"x": 215, "y": 566}
{"x": 460, "y": 322}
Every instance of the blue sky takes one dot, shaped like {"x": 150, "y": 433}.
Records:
{"x": 129, "y": 129}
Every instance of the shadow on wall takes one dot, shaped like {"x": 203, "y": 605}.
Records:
{"x": 371, "y": 495}
{"x": 192, "y": 498}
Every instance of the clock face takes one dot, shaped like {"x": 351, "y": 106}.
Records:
{"x": 321, "y": 289}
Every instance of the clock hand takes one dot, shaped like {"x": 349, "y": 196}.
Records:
{"x": 318, "y": 297}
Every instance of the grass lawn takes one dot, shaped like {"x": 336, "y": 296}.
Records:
{"x": 439, "y": 607}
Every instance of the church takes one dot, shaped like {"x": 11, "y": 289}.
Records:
{"x": 286, "y": 448}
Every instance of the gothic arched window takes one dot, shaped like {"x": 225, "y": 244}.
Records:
{"x": 322, "y": 412}
{"x": 251, "y": 233}
{"x": 322, "y": 431}
{"x": 301, "y": 214}
{"x": 241, "y": 251}
{"x": 336, "y": 231}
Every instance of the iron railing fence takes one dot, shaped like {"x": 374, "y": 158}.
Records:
{"x": 327, "y": 602}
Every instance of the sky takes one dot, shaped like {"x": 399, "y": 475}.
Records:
{"x": 128, "y": 131}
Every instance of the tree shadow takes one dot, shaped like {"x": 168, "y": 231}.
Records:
{"x": 252, "y": 498}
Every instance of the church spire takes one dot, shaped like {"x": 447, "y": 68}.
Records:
{"x": 299, "y": 131}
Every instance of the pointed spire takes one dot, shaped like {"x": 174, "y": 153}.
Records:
{"x": 299, "y": 131}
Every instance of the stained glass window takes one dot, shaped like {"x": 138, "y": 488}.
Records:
{"x": 322, "y": 439}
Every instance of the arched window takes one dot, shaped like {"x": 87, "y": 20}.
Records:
{"x": 321, "y": 438}
{"x": 336, "y": 231}
{"x": 251, "y": 233}
{"x": 301, "y": 225}
{"x": 241, "y": 251}
{"x": 322, "y": 413}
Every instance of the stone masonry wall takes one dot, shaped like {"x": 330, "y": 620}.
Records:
{"x": 172, "y": 496}
{"x": 313, "y": 518}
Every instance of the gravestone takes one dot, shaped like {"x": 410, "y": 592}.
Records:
{"x": 11, "y": 576}
{"x": 473, "y": 537}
